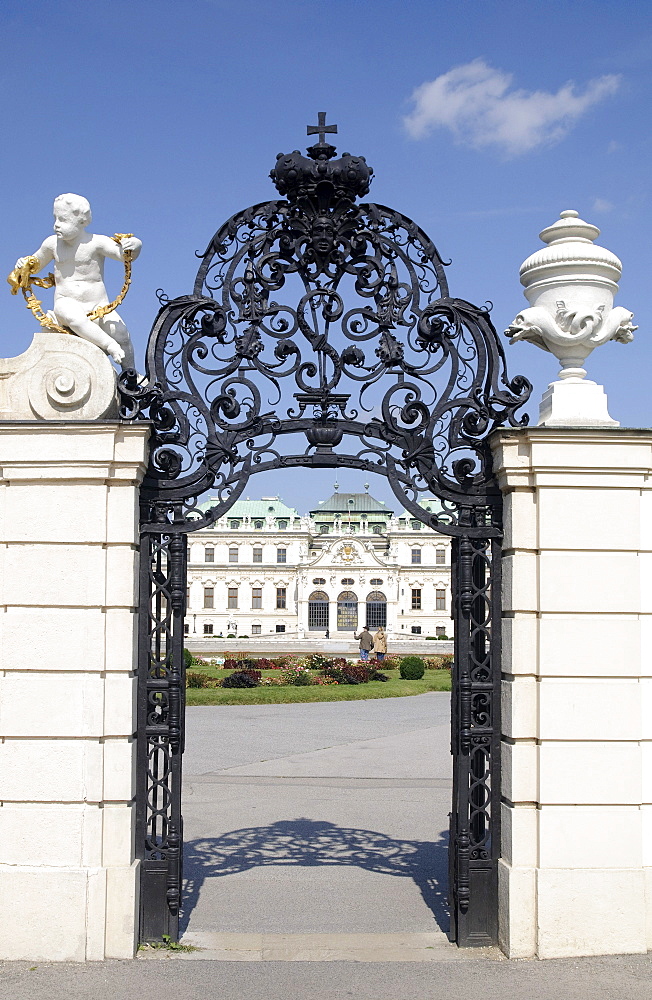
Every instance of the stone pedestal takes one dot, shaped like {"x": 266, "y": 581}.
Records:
{"x": 68, "y": 585}
{"x": 576, "y": 869}
{"x": 59, "y": 377}
{"x": 575, "y": 402}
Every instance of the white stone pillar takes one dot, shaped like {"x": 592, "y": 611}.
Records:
{"x": 576, "y": 871}
{"x": 68, "y": 580}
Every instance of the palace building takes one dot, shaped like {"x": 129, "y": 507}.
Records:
{"x": 264, "y": 568}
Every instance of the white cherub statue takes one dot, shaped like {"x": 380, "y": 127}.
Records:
{"x": 79, "y": 277}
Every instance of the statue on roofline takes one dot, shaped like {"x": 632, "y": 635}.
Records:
{"x": 81, "y": 303}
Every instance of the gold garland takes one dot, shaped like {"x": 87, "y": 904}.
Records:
{"x": 22, "y": 278}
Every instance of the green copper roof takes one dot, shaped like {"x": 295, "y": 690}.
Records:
{"x": 339, "y": 503}
{"x": 271, "y": 507}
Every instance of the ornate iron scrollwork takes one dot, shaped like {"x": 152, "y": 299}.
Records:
{"x": 319, "y": 323}
{"x": 321, "y": 333}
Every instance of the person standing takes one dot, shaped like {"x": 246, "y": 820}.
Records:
{"x": 366, "y": 641}
{"x": 380, "y": 643}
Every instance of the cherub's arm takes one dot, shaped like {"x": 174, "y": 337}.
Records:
{"x": 116, "y": 250}
{"x": 43, "y": 255}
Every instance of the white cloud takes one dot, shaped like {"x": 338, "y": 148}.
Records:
{"x": 476, "y": 103}
{"x": 602, "y": 205}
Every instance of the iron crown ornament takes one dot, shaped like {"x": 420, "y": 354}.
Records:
{"x": 321, "y": 333}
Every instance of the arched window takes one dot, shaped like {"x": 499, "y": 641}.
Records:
{"x": 376, "y": 609}
{"x": 258, "y": 525}
{"x": 282, "y": 525}
{"x": 416, "y": 526}
{"x": 318, "y": 611}
{"x": 234, "y": 525}
{"x": 323, "y": 529}
{"x": 347, "y": 611}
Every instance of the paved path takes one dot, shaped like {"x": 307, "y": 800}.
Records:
{"x": 354, "y": 874}
{"x": 317, "y": 819}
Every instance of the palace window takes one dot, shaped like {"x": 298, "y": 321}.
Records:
{"x": 347, "y": 611}
{"x": 209, "y": 597}
{"x": 416, "y": 526}
{"x": 440, "y": 557}
{"x": 282, "y": 525}
{"x": 347, "y": 581}
{"x": 280, "y": 628}
{"x": 376, "y": 610}
{"x": 440, "y": 600}
{"x": 232, "y": 600}
{"x": 187, "y": 596}
{"x": 416, "y": 557}
{"x": 258, "y": 555}
{"x": 376, "y": 582}
{"x": 233, "y": 555}
{"x": 320, "y": 581}
{"x": 209, "y": 554}
{"x": 256, "y": 597}
{"x": 281, "y": 598}
{"x": 208, "y": 629}
{"x": 416, "y": 630}
{"x": 440, "y": 630}
{"x": 318, "y": 611}
{"x": 324, "y": 529}
{"x": 256, "y": 629}
{"x": 258, "y": 525}
{"x": 377, "y": 529}
{"x": 281, "y": 555}
{"x": 234, "y": 525}
{"x": 416, "y": 598}
{"x": 186, "y": 628}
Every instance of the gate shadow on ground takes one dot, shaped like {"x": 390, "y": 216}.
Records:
{"x": 311, "y": 843}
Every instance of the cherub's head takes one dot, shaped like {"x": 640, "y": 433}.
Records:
{"x": 72, "y": 214}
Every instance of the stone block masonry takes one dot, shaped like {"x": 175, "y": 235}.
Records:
{"x": 576, "y": 869}
{"x": 68, "y": 603}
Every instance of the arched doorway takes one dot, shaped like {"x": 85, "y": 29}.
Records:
{"x": 321, "y": 333}
{"x": 347, "y": 611}
{"x": 376, "y": 616}
{"x": 318, "y": 611}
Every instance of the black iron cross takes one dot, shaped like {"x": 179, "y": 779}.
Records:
{"x": 322, "y": 128}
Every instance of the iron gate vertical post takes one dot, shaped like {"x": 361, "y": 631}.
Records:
{"x": 474, "y": 847}
{"x": 161, "y": 711}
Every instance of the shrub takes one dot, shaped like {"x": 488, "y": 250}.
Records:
{"x": 194, "y": 679}
{"x": 444, "y": 637}
{"x": 187, "y": 658}
{"x": 264, "y": 664}
{"x": 446, "y": 661}
{"x": 316, "y": 661}
{"x": 232, "y": 635}
{"x": 347, "y": 673}
{"x": 433, "y": 662}
{"x": 377, "y": 675}
{"x": 231, "y": 664}
{"x": 391, "y": 662}
{"x": 297, "y": 676}
{"x": 242, "y": 679}
{"x": 412, "y": 668}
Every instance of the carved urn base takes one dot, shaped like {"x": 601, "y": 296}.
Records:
{"x": 575, "y": 402}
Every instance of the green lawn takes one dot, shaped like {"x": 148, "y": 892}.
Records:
{"x": 395, "y": 687}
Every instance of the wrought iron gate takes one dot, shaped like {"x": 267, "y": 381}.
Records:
{"x": 374, "y": 367}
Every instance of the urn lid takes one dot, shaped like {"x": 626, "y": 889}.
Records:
{"x": 570, "y": 251}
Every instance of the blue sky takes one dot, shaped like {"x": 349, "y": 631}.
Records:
{"x": 168, "y": 117}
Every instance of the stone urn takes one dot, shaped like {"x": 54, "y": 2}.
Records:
{"x": 570, "y": 285}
